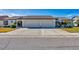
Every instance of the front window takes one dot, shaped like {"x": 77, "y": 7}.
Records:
{"x": 11, "y": 21}
{"x": 5, "y": 22}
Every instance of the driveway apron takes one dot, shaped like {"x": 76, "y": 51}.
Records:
{"x": 39, "y": 32}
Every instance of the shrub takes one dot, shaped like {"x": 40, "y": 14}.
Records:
{"x": 6, "y": 26}
{"x": 13, "y": 25}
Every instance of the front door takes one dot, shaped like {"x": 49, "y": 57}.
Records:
{"x": 19, "y": 23}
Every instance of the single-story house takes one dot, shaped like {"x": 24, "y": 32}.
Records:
{"x": 29, "y": 21}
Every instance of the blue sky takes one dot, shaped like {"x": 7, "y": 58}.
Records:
{"x": 52, "y": 12}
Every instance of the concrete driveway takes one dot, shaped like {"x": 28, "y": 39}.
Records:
{"x": 43, "y": 32}
{"x": 46, "y": 39}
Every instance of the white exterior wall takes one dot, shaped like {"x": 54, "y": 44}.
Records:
{"x": 10, "y": 22}
{"x": 1, "y": 23}
{"x": 74, "y": 22}
{"x": 38, "y": 23}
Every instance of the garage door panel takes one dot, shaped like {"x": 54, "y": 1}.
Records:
{"x": 31, "y": 23}
{"x": 38, "y": 23}
{"x": 47, "y": 23}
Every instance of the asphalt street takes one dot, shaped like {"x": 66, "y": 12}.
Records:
{"x": 39, "y": 43}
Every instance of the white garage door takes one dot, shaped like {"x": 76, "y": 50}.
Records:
{"x": 31, "y": 23}
{"x": 38, "y": 23}
{"x": 47, "y": 23}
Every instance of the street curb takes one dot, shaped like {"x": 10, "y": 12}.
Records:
{"x": 39, "y": 35}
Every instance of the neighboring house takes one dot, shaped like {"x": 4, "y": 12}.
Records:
{"x": 2, "y": 20}
{"x": 64, "y": 19}
{"x": 63, "y": 22}
{"x": 75, "y": 20}
{"x": 29, "y": 21}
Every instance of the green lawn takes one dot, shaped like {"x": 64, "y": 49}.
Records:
{"x": 72, "y": 30}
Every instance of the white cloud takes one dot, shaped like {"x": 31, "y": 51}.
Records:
{"x": 10, "y": 14}
{"x": 69, "y": 15}
{"x": 14, "y": 14}
{"x": 72, "y": 15}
